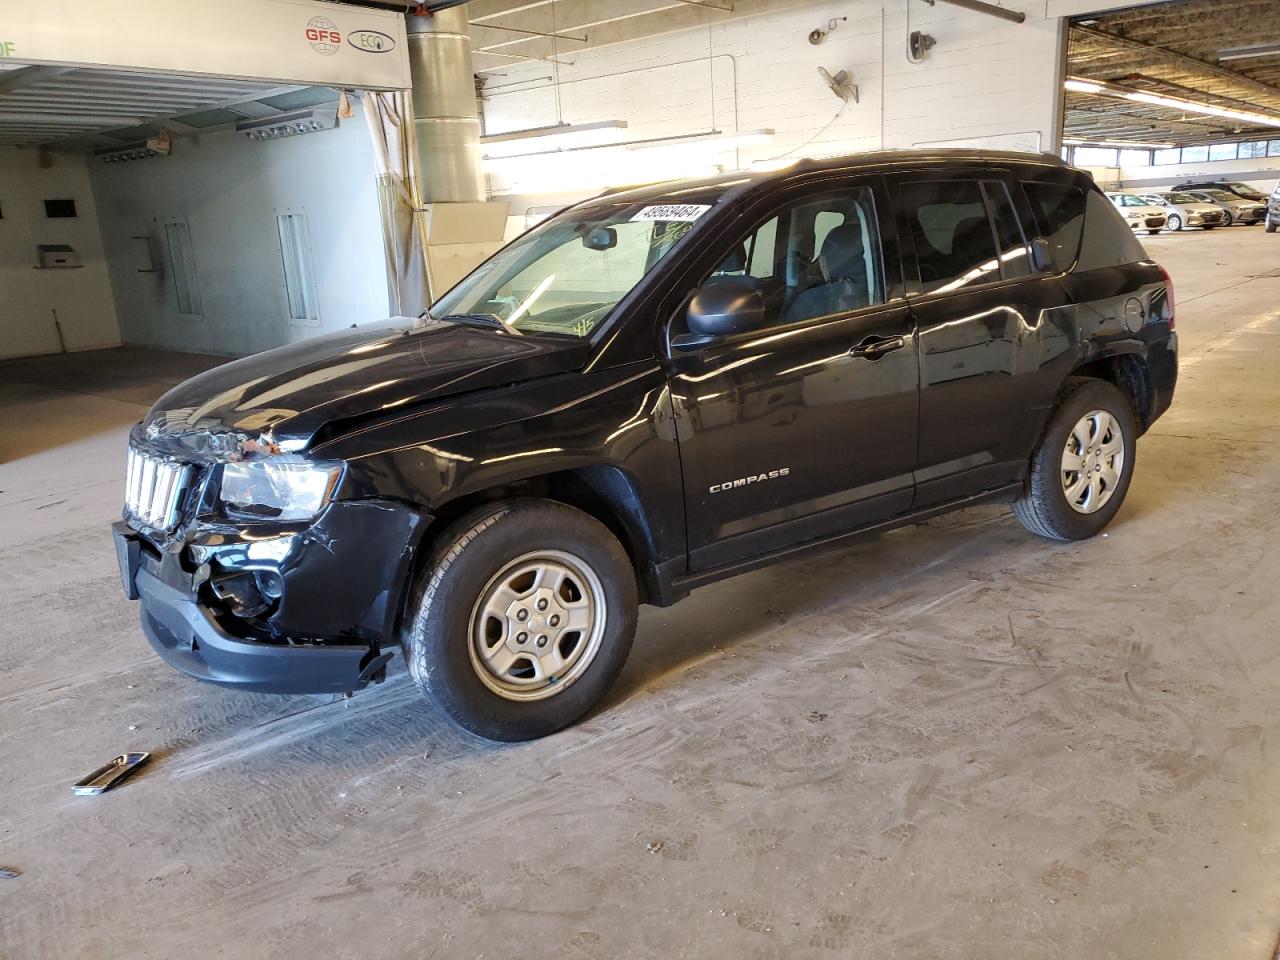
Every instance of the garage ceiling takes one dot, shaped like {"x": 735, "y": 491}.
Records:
{"x": 1172, "y": 49}
{"x": 86, "y": 109}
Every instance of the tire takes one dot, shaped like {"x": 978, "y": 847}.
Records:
{"x": 1230, "y": 222}
{"x": 1044, "y": 507}
{"x": 1153, "y": 232}
{"x": 475, "y": 560}
{"x": 1174, "y": 223}
{"x": 1208, "y": 227}
{"x": 1271, "y": 225}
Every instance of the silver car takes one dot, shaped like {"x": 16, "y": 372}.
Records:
{"x": 1237, "y": 209}
{"x": 1184, "y": 210}
{"x": 1138, "y": 212}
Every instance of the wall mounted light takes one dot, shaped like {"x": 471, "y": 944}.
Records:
{"x": 559, "y": 136}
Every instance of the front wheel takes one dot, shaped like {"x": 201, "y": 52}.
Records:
{"x": 1081, "y": 469}
{"x": 1271, "y": 226}
{"x": 524, "y": 619}
{"x": 1154, "y": 232}
{"x": 1230, "y": 221}
{"x": 1175, "y": 223}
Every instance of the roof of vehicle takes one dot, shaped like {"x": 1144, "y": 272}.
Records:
{"x": 740, "y": 181}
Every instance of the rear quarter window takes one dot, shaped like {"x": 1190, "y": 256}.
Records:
{"x": 1107, "y": 241}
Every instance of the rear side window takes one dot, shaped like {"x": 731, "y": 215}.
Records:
{"x": 1107, "y": 241}
{"x": 1059, "y": 213}
{"x": 1015, "y": 260}
{"x": 966, "y": 232}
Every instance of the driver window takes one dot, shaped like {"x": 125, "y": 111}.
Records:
{"x": 814, "y": 258}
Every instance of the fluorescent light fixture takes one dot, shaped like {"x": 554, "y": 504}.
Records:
{"x": 560, "y": 136}
{"x": 1171, "y": 103}
{"x": 1254, "y": 50}
{"x": 1122, "y": 144}
{"x": 713, "y": 138}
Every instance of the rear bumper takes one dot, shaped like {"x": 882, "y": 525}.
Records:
{"x": 1162, "y": 361}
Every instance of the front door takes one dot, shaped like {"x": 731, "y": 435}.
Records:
{"x": 805, "y": 427}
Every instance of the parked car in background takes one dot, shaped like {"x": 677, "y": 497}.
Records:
{"x": 1235, "y": 187}
{"x": 650, "y": 391}
{"x": 1238, "y": 210}
{"x": 1273, "y": 210}
{"x": 1139, "y": 213}
{"x": 1185, "y": 210}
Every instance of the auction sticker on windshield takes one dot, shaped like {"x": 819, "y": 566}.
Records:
{"x": 686, "y": 212}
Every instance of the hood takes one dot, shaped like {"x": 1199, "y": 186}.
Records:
{"x": 291, "y": 392}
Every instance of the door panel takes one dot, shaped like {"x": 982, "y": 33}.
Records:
{"x": 806, "y": 427}
{"x": 985, "y": 330}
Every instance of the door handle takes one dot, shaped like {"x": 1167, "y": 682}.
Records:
{"x": 873, "y": 348}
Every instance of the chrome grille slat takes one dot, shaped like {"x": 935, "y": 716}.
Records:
{"x": 154, "y": 486}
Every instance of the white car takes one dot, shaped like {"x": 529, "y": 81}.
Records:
{"x": 1138, "y": 213}
{"x": 1184, "y": 210}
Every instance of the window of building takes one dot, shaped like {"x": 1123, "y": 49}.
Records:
{"x": 1222, "y": 151}
{"x": 182, "y": 267}
{"x": 1248, "y": 151}
{"x": 299, "y": 282}
{"x": 1096, "y": 157}
{"x": 60, "y": 208}
{"x": 1172, "y": 155}
{"x": 1135, "y": 158}
{"x": 1195, "y": 154}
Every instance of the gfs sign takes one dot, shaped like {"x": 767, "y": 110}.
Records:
{"x": 322, "y": 33}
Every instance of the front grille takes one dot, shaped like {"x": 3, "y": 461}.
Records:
{"x": 1212, "y": 216}
{"x": 153, "y": 488}
{"x": 1155, "y": 221}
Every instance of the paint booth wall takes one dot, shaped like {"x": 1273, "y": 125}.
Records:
{"x": 30, "y": 297}
{"x": 221, "y": 195}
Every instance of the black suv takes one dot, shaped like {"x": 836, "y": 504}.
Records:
{"x": 653, "y": 390}
{"x": 1233, "y": 187}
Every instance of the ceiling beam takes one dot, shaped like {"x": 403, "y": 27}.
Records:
{"x": 1191, "y": 63}
{"x": 26, "y": 76}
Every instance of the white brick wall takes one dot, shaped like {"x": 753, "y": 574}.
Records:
{"x": 985, "y": 79}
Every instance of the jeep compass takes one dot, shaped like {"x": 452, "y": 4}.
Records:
{"x": 653, "y": 390}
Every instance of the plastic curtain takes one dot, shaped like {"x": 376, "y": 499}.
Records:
{"x": 390, "y": 118}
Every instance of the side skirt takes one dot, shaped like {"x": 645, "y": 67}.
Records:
{"x": 673, "y": 587}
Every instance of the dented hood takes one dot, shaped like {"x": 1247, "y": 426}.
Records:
{"x": 291, "y": 392}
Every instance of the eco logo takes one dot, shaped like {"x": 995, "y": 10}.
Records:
{"x": 322, "y": 33}
{"x": 371, "y": 41}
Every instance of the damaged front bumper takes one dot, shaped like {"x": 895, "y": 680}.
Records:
{"x": 286, "y": 610}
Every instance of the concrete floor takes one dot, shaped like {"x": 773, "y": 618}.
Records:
{"x": 950, "y": 741}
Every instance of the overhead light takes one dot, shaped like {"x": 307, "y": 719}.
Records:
{"x": 1083, "y": 86}
{"x": 1255, "y": 50}
{"x": 1171, "y": 103}
{"x": 559, "y": 136}
{"x": 714, "y": 138}
{"x": 290, "y": 124}
{"x": 1123, "y": 144}
{"x": 143, "y": 150}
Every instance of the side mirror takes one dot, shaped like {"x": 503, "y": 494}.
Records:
{"x": 1041, "y": 255}
{"x": 600, "y": 238}
{"x": 728, "y": 306}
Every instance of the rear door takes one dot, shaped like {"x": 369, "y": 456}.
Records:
{"x": 979, "y": 305}
{"x": 804, "y": 428}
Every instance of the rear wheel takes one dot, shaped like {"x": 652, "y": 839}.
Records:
{"x": 524, "y": 619}
{"x": 1081, "y": 470}
{"x": 1175, "y": 222}
{"x": 1154, "y": 231}
{"x": 1271, "y": 226}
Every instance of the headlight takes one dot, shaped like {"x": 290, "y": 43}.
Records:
{"x": 277, "y": 489}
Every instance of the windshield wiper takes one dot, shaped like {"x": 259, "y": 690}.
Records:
{"x": 474, "y": 319}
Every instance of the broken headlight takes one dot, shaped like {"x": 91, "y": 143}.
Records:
{"x": 277, "y": 489}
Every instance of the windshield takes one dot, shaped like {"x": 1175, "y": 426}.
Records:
{"x": 1247, "y": 191}
{"x": 1220, "y": 195}
{"x": 1180, "y": 198}
{"x": 569, "y": 273}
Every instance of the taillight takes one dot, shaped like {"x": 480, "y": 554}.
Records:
{"x": 1168, "y": 293}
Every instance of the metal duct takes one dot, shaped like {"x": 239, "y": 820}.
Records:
{"x": 990, "y": 9}
{"x": 445, "y": 117}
